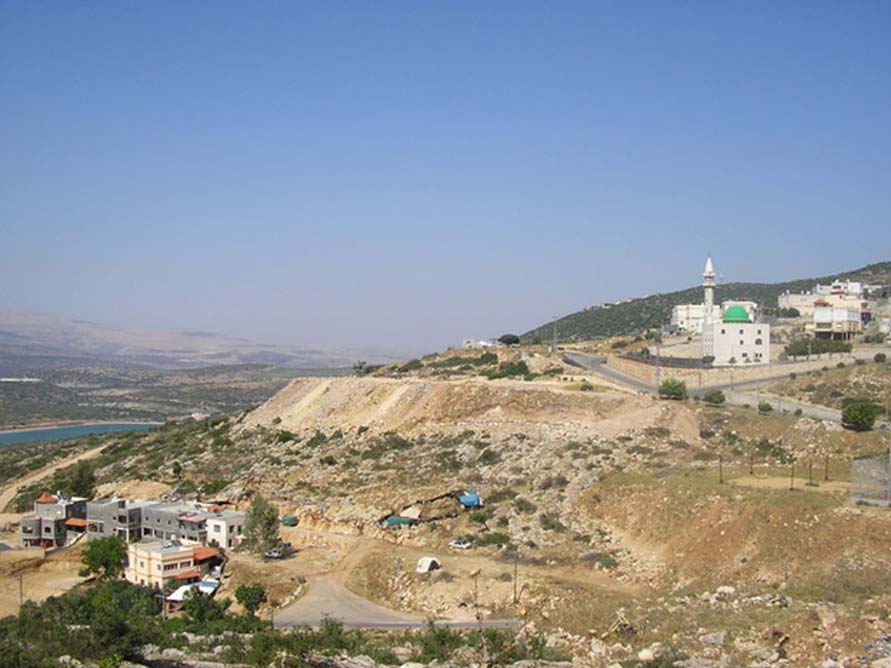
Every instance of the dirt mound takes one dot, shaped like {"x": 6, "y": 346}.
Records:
{"x": 417, "y": 405}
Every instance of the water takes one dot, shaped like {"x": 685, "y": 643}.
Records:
{"x": 73, "y": 431}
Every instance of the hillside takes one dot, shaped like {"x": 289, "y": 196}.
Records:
{"x": 607, "y": 503}
{"x": 30, "y": 341}
{"x": 655, "y": 310}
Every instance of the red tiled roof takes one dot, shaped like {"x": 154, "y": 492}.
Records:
{"x": 204, "y": 553}
{"x": 76, "y": 522}
{"x": 188, "y": 575}
{"x": 46, "y": 497}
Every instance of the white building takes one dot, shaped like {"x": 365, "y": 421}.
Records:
{"x": 839, "y": 287}
{"x": 225, "y": 528}
{"x": 738, "y": 340}
{"x": 689, "y": 317}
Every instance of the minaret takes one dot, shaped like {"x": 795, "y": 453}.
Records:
{"x": 708, "y": 325}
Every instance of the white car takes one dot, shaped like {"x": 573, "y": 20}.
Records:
{"x": 461, "y": 544}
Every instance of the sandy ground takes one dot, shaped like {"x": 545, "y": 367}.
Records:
{"x": 801, "y": 482}
{"x": 41, "y": 577}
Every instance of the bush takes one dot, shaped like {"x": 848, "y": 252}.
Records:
{"x": 764, "y": 407}
{"x": 804, "y": 346}
{"x": 859, "y": 414}
{"x": 880, "y": 358}
{"x": 509, "y": 339}
{"x": 508, "y": 370}
{"x": 714, "y": 397}
{"x": 671, "y": 388}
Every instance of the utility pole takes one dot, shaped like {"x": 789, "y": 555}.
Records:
{"x": 554, "y": 345}
{"x": 721, "y": 469}
{"x": 792, "y": 478}
{"x": 21, "y": 589}
{"x": 826, "y": 468}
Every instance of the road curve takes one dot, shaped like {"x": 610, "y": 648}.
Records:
{"x": 326, "y": 599}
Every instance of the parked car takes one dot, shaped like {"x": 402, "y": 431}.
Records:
{"x": 461, "y": 544}
{"x": 274, "y": 553}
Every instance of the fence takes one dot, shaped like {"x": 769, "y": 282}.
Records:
{"x": 871, "y": 480}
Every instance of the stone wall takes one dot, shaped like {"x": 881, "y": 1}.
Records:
{"x": 724, "y": 375}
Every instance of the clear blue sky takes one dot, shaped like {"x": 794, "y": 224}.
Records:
{"x": 408, "y": 174}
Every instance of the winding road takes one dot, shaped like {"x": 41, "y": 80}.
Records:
{"x": 327, "y": 599}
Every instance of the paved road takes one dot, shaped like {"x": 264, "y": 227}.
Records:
{"x": 325, "y": 598}
{"x": 737, "y": 394}
{"x": 597, "y": 364}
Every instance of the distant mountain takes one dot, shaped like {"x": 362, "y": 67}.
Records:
{"x": 639, "y": 314}
{"x": 34, "y": 340}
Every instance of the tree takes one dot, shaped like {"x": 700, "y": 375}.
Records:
{"x": 360, "y": 368}
{"x": 859, "y": 414}
{"x": 708, "y": 360}
{"x": 764, "y": 407}
{"x": 880, "y": 358}
{"x": 104, "y": 557}
{"x": 202, "y": 607}
{"x": 261, "y": 526}
{"x": 672, "y": 388}
{"x": 177, "y": 470}
{"x": 714, "y": 397}
{"x": 250, "y": 596}
{"x": 83, "y": 480}
{"x": 509, "y": 339}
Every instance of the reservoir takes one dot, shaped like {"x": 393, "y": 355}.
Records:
{"x": 70, "y": 431}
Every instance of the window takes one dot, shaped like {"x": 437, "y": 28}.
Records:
{"x": 47, "y": 529}
{"x": 759, "y": 331}
{"x": 185, "y": 564}
{"x": 758, "y": 342}
{"x": 741, "y": 342}
{"x": 141, "y": 563}
{"x": 740, "y": 331}
{"x": 216, "y": 528}
{"x": 723, "y": 331}
{"x": 170, "y": 567}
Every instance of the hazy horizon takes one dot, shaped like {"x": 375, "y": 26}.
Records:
{"x": 406, "y": 175}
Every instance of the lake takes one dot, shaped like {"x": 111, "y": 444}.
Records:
{"x": 70, "y": 431}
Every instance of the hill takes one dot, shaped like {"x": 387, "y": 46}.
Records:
{"x": 30, "y": 341}
{"x": 640, "y": 314}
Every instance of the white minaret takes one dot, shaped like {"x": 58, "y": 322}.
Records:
{"x": 708, "y": 326}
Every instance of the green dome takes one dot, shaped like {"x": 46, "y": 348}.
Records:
{"x": 736, "y": 314}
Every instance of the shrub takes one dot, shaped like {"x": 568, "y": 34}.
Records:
{"x": 880, "y": 358}
{"x": 859, "y": 414}
{"x": 411, "y": 365}
{"x": 671, "y": 388}
{"x": 764, "y": 407}
{"x": 714, "y": 397}
{"x": 488, "y": 457}
{"x": 524, "y": 505}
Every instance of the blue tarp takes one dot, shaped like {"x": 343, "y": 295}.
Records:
{"x": 470, "y": 500}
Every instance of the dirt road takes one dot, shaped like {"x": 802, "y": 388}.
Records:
{"x": 7, "y": 494}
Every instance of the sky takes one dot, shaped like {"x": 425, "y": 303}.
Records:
{"x": 408, "y": 174}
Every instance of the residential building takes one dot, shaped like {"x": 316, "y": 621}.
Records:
{"x": 833, "y": 322}
{"x": 116, "y": 517}
{"x": 225, "y": 528}
{"x": 57, "y": 521}
{"x": 690, "y": 317}
{"x": 840, "y": 287}
{"x": 153, "y": 563}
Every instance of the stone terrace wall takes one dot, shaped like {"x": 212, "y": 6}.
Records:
{"x": 719, "y": 376}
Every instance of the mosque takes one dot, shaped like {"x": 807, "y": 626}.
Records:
{"x": 736, "y": 338}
